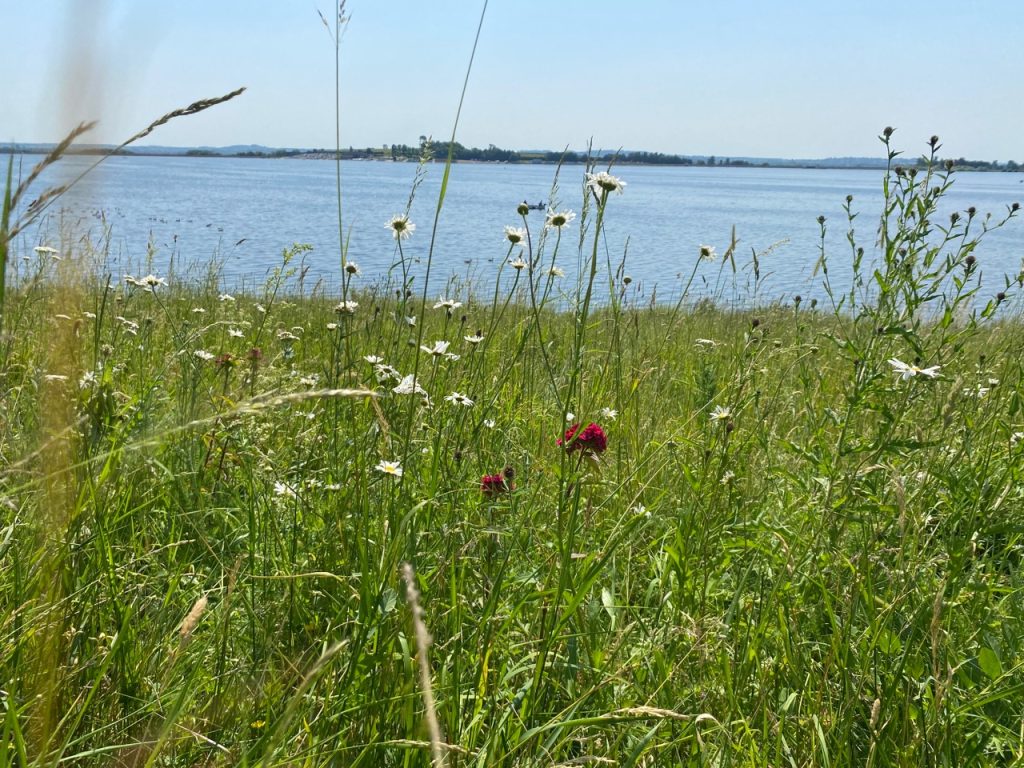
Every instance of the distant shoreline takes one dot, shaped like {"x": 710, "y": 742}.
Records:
{"x": 526, "y": 158}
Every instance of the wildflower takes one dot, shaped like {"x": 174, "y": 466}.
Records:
{"x": 609, "y": 414}
{"x": 224, "y": 360}
{"x": 605, "y": 182}
{"x": 87, "y": 380}
{"x": 261, "y": 309}
{"x": 373, "y": 359}
{"x": 308, "y": 381}
{"x": 556, "y": 272}
{"x": 331, "y": 326}
{"x": 286, "y": 337}
{"x": 152, "y": 282}
{"x": 705, "y": 343}
{"x": 589, "y": 440}
{"x": 476, "y": 338}
{"x": 198, "y": 311}
{"x": 45, "y": 250}
{"x": 495, "y": 485}
{"x": 720, "y": 413}
{"x": 346, "y": 307}
{"x": 727, "y": 477}
{"x": 255, "y": 355}
{"x": 400, "y": 226}
{"x": 352, "y": 268}
{"x": 707, "y": 253}
{"x": 459, "y": 399}
{"x": 515, "y": 235}
{"x": 905, "y": 371}
{"x": 409, "y": 386}
{"x": 410, "y": 321}
{"x": 225, "y": 297}
{"x": 449, "y": 304}
{"x": 393, "y": 468}
{"x": 202, "y": 354}
{"x": 517, "y": 264}
{"x": 284, "y": 490}
{"x": 489, "y": 423}
{"x": 385, "y": 372}
{"x": 559, "y": 219}
{"x": 235, "y": 333}
{"x": 440, "y": 348}
{"x": 570, "y": 416}
{"x": 1016, "y": 437}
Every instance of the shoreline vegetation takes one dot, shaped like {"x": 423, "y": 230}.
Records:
{"x": 493, "y": 154}
{"x": 402, "y": 525}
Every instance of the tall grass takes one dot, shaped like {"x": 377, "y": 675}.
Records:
{"x": 801, "y": 544}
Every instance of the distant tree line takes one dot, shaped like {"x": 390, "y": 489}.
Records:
{"x": 963, "y": 164}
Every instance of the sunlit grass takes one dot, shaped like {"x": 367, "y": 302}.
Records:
{"x": 791, "y": 536}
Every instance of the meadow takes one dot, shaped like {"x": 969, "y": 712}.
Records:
{"x": 407, "y": 524}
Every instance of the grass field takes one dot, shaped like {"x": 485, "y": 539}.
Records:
{"x": 793, "y": 537}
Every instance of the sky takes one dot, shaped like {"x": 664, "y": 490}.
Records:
{"x": 732, "y": 78}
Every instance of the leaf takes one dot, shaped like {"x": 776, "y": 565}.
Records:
{"x": 989, "y": 663}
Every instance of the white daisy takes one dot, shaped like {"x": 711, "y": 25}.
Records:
{"x": 517, "y": 264}
{"x": 905, "y": 371}
{"x": 235, "y": 333}
{"x": 409, "y": 386}
{"x": 284, "y": 490}
{"x": 559, "y": 219}
{"x": 707, "y": 253}
{"x": 515, "y": 235}
{"x": 202, "y": 354}
{"x": 448, "y": 304}
{"x": 352, "y": 268}
{"x": 489, "y": 423}
{"x": 459, "y": 399}
{"x": 440, "y": 348}
{"x": 556, "y": 272}
{"x": 393, "y": 468}
{"x": 346, "y": 307}
{"x": 373, "y": 359}
{"x": 476, "y": 338}
{"x": 225, "y": 297}
{"x": 720, "y": 413}
{"x": 410, "y": 321}
{"x": 400, "y": 226}
{"x": 605, "y": 182}
{"x": 609, "y": 413}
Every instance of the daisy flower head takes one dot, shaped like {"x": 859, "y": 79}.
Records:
{"x": 609, "y": 414}
{"x": 707, "y": 253}
{"x": 475, "y": 338}
{"x": 517, "y": 264}
{"x": 410, "y": 321}
{"x": 373, "y": 359}
{"x": 284, "y": 490}
{"x": 448, "y": 304}
{"x": 352, "y": 268}
{"x": 905, "y": 371}
{"x": 400, "y": 226}
{"x": 409, "y": 386}
{"x": 604, "y": 182}
{"x": 202, "y": 354}
{"x": 556, "y": 272}
{"x": 515, "y": 235}
{"x": 559, "y": 219}
{"x": 393, "y": 468}
{"x": 440, "y": 348}
{"x": 347, "y": 307}
{"x": 720, "y": 413}
{"x": 588, "y": 440}
{"x": 458, "y": 398}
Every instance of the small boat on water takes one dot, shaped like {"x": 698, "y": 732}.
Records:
{"x": 536, "y": 207}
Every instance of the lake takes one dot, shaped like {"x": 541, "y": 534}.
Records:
{"x": 243, "y": 212}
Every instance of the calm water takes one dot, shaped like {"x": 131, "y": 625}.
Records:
{"x": 242, "y": 212}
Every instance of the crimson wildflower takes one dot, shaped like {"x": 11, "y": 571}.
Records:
{"x": 495, "y": 485}
{"x": 590, "y": 439}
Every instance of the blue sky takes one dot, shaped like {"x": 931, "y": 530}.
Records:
{"x": 795, "y": 78}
